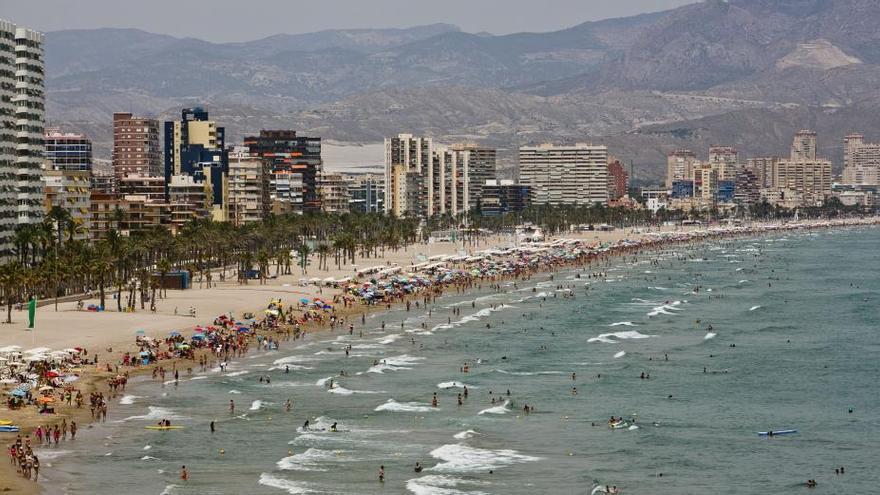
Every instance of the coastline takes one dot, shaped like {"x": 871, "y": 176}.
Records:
{"x": 93, "y": 379}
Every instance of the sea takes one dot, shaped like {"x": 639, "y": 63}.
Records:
{"x": 733, "y": 337}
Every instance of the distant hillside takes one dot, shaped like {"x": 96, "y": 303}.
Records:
{"x": 717, "y": 68}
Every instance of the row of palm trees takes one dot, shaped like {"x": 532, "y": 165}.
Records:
{"x": 49, "y": 261}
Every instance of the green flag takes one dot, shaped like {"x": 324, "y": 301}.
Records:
{"x": 32, "y": 312}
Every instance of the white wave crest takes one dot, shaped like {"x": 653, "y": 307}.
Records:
{"x": 394, "y": 406}
{"x": 459, "y": 458}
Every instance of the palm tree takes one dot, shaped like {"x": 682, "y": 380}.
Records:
{"x": 11, "y": 281}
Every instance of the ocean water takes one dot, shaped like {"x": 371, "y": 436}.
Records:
{"x": 793, "y": 344}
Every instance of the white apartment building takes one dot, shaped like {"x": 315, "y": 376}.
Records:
{"x": 680, "y": 165}
{"x": 409, "y": 174}
{"x": 560, "y": 174}
{"x": 861, "y": 161}
{"x": 21, "y": 130}
{"x": 248, "y": 194}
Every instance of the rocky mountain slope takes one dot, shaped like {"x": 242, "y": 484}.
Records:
{"x": 714, "y": 70}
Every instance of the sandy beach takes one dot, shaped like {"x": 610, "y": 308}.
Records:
{"x": 111, "y": 333}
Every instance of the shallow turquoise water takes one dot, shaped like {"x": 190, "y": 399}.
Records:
{"x": 806, "y": 350}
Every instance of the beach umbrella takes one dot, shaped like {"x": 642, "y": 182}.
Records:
{"x": 139, "y": 332}
{"x": 45, "y": 400}
{"x": 46, "y": 388}
{"x": 17, "y": 393}
{"x": 52, "y": 374}
{"x": 144, "y": 353}
{"x": 174, "y": 334}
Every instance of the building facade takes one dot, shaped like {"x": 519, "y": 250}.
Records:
{"x": 679, "y": 166}
{"x": 861, "y": 161}
{"x": 22, "y": 115}
{"x": 804, "y": 147}
{"x": 409, "y": 175}
{"x": 68, "y": 151}
{"x": 725, "y": 161}
{"x": 367, "y": 193}
{"x": 334, "y": 192}
{"x": 136, "y": 148}
{"x": 295, "y": 164}
{"x": 248, "y": 199}
{"x": 196, "y": 146}
{"x": 618, "y": 180}
{"x": 565, "y": 175}
{"x": 69, "y": 190}
{"x": 501, "y": 197}
{"x": 187, "y": 201}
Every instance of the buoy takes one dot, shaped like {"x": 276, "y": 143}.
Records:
{"x": 289, "y": 452}
{"x": 222, "y": 451}
{"x": 571, "y": 453}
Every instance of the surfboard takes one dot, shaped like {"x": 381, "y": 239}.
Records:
{"x": 776, "y": 433}
{"x": 163, "y": 427}
{"x": 8, "y": 428}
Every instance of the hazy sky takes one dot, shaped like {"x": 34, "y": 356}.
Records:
{"x": 238, "y": 20}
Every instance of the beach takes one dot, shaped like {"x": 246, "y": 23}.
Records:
{"x": 99, "y": 332}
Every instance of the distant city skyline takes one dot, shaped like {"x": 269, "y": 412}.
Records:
{"x": 227, "y": 21}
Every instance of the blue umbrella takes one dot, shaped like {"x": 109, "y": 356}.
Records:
{"x": 174, "y": 334}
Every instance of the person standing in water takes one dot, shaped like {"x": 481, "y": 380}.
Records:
{"x": 382, "y": 473}
{"x": 183, "y": 474}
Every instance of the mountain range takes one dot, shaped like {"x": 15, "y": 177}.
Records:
{"x": 748, "y": 73}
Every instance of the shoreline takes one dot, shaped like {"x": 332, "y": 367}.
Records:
{"x": 583, "y": 255}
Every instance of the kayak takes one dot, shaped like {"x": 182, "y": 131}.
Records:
{"x": 8, "y": 428}
{"x": 4, "y": 422}
{"x": 775, "y": 433}
{"x": 163, "y": 427}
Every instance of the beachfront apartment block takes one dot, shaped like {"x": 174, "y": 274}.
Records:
{"x": 22, "y": 116}
{"x": 408, "y": 171}
{"x": 366, "y": 193}
{"x": 861, "y": 161}
{"x": 565, "y": 175}
{"x": 295, "y": 164}
{"x": 248, "y": 199}
{"x": 424, "y": 180}
{"x": 679, "y": 166}
{"x": 67, "y": 150}
{"x": 136, "y": 148}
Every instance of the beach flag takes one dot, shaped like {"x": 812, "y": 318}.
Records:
{"x": 32, "y": 312}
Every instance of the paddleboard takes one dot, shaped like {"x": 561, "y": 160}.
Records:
{"x": 776, "y": 433}
{"x": 163, "y": 427}
{"x": 8, "y": 429}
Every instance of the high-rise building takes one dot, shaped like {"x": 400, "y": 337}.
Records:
{"x": 150, "y": 187}
{"x": 135, "y": 146}
{"x": 861, "y": 161}
{"x": 68, "y": 151}
{"x": 367, "y": 192}
{"x": 333, "y": 189}
{"x": 724, "y": 159}
{"x": 500, "y": 197}
{"x": 705, "y": 178}
{"x": 476, "y": 165}
{"x": 618, "y": 180}
{"x": 679, "y": 166}
{"x": 187, "y": 201}
{"x": 248, "y": 199}
{"x": 21, "y": 130}
{"x": 409, "y": 175}
{"x": 763, "y": 167}
{"x": 295, "y": 164}
{"x": 69, "y": 190}
{"x": 195, "y": 146}
{"x": 565, "y": 174}
{"x": 805, "y": 175}
{"x": 804, "y": 146}
{"x": 747, "y": 187}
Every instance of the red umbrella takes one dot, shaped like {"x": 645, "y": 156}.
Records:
{"x": 52, "y": 374}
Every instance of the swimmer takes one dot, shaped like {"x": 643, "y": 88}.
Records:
{"x": 306, "y": 425}
{"x": 418, "y": 468}
{"x": 333, "y": 427}
{"x": 382, "y": 474}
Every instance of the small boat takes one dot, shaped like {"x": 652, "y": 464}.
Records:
{"x": 773, "y": 433}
